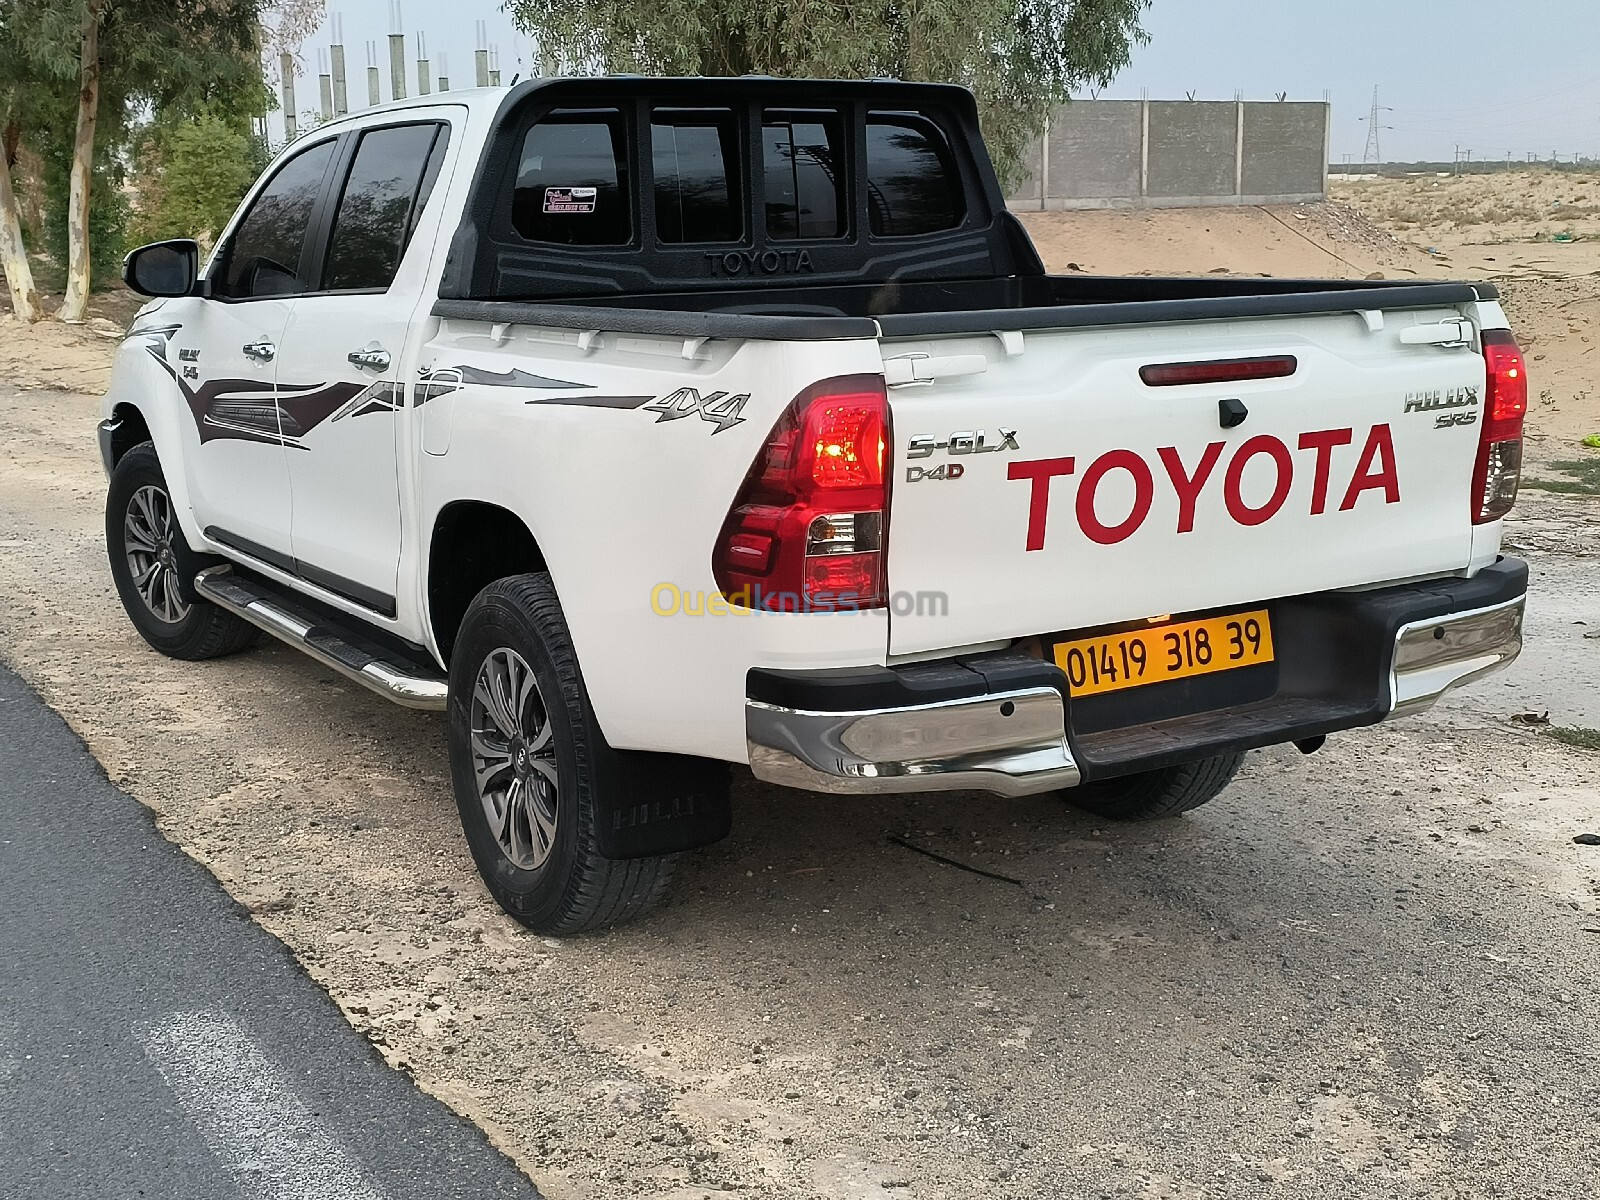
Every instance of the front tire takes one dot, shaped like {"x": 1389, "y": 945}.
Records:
{"x": 1157, "y": 795}
{"x": 527, "y": 760}
{"x": 154, "y": 568}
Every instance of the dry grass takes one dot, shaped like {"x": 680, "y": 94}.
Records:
{"x": 1532, "y": 205}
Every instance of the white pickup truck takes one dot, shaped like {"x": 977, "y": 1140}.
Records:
{"x": 650, "y": 425}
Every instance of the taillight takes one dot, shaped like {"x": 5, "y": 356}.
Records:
{"x": 808, "y": 528}
{"x": 1499, "y": 466}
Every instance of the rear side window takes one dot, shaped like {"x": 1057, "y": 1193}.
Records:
{"x": 376, "y": 213}
{"x": 801, "y": 155}
{"x": 695, "y": 156}
{"x": 265, "y": 251}
{"x": 572, "y": 181}
{"x": 913, "y": 185}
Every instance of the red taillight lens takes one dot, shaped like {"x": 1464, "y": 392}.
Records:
{"x": 1218, "y": 370}
{"x": 807, "y": 531}
{"x": 1505, "y": 403}
{"x": 846, "y": 442}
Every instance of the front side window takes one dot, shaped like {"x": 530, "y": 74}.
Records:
{"x": 913, "y": 186}
{"x": 264, "y": 255}
{"x": 572, "y": 180}
{"x": 801, "y": 155}
{"x": 377, "y": 208}
{"x": 696, "y": 191}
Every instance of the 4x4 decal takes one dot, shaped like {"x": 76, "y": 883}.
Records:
{"x": 719, "y": 408}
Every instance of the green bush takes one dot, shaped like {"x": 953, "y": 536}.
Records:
{"x": 192, "y": 177}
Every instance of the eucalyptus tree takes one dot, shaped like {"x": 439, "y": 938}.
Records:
{"x": 1021, "y": 57}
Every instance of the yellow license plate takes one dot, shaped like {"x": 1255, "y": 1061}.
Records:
{"x": 1136, "y": 657}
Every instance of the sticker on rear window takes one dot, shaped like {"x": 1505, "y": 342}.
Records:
{"x": 569, "y": 199}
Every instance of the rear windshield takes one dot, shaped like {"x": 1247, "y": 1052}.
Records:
{"x": 695, "y": 159}
{"x": 801, "y": 154}
{"x": 572, "y": 181}
{"x": 913, "y": 186}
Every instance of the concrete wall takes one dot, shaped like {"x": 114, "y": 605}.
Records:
{"x": 1163, "y": 153}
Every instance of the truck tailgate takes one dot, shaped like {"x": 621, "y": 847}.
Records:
{"x": 1041, "y": 485}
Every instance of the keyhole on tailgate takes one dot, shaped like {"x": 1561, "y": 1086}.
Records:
{"x": 1007, "y": 708}
{"x": 1231, "y": 412}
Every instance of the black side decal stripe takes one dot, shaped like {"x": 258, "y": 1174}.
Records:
{"x": 594, "y": 401}
{"x": 511, "y": 378}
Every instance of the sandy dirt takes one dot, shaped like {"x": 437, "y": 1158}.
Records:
{"x": 1368, "y": 972}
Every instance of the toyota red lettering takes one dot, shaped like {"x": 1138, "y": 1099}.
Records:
{"x": 1375, "y": 471}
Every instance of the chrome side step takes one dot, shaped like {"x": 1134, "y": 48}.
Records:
{"x": 404, "y": 683}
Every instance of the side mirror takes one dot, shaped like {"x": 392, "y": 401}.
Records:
{"x": 163, "y": 268}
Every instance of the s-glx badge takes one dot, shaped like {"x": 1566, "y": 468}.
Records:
{"x": 970, "y": 441}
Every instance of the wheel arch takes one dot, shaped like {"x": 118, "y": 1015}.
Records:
{"x": 472, "y": 544}
{"x": 148, "y": 403}
{"x": 130, "y": 429}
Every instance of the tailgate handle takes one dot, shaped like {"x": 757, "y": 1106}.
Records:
{"x": 1446, "y": 333}
{"x": 910, "y": 370}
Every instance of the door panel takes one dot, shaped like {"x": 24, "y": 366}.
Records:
{"x": 238, "y": 479}
{"x": 225, "y": 359}
{"x": 344, "y": 347}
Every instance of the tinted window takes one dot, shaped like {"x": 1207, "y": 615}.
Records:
{"x": 912, "y": 184}
{"x": 695, "y": 199}
{"x": 572, "y": 181}
{"x": 264, "y": 253}
{"x": 374, "y": 218}
{"x": 801, "y": 153}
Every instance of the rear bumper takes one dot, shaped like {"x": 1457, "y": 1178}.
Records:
{"x": 1004, "y": 722}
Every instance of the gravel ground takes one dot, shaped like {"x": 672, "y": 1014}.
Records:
{"x": 1369, "y": 972}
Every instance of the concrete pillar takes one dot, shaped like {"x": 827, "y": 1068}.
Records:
{"x": 325, "y": 95}
{"x": 1238, "y": 149}
{"x": 341, "y": 93}
{"x": 374, "y": 88}
{"x": 1144, "y": 147}
{"x": 423, "y": 84}
{"x": 397, "y": 66}
{"x": 481, "y": 61}
{"x": 291, "y": 126}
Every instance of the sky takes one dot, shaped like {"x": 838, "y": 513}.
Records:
{"x": 1490, "y": 76}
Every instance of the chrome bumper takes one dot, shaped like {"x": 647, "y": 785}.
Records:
{"x": 1013, "y": 743}
{"x": 1433, "y": 656}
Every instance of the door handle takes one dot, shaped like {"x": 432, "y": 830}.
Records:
{"x": 375, "y": 357}
{"x": 1447, "y": 333}
{"x": 912, "y": 370}
{"x": 261, "y": 351}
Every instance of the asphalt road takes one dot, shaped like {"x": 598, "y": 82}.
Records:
{"x": 155, "y": 1042}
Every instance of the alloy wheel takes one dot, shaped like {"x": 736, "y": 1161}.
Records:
{"x": 514, "y": 759}
{"x": 150, "y": 534}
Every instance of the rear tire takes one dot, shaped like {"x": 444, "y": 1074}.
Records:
{"x": 154, "y": 568}
{"x": 528, "y": 760}
{"x": 1156, "y": 795}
